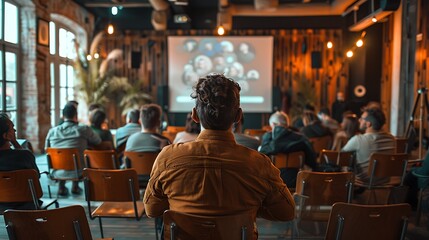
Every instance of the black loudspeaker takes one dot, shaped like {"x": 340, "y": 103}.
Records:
{"x": 316, "y": 59}
{"x": 162, "y": 97}
{"x": 277, "y": 99}
{"x": 136, "y": 59}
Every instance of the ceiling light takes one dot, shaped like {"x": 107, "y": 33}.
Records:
{"x": 114, "y": 10}
{"x": 349, "y": 53}
{"x": 96, "y": 55}
{"x": 329, "y": 45}
{"x": 359, "y": 43}
{"x": 88, "y": 57}
{"x": 110, "y": 29}
{"x": 220, "y": 30}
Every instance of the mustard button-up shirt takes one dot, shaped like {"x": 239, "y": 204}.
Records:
{"x": 215, "y": 176}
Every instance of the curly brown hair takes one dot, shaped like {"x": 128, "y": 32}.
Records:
{"x": 217, "y": 101}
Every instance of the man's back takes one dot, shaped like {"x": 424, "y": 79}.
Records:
{"x": 146, "y": 142}
{"x": 124, "y": 132}
{"x": 215, "y": 176}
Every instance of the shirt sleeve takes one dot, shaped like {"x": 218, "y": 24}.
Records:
{"x": 155, "y": 201}
{"x": 278, "y": 204}
{"x": 351, "y": 145}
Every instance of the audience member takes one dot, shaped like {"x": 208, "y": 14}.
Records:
{"x": 339, "y": 106}
{"x": 192, "y": 129}
{"x": 213, "y": 175}
{"x": 132, "y": 126}
{"x": 327, "y": 121}
{"x": 283, "y": 140}
{"x": 298, "y": 123}
{"x": 72, "y": 102}
{"x": 373, "y": 140}
{"x": 349, "y": 128}
{"x": 98, "y": 118}
{"x": 71, "y": 134}
{"x": 148, "y": 140}
{"x": 313, "y": 127}
{"x": 244, "y": 139}
{"x": 13, "y": 159}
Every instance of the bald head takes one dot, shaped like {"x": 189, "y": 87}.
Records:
{"x": 279, "y": 119}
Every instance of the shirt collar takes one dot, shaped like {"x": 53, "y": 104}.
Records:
{"x": 220, "y": 135}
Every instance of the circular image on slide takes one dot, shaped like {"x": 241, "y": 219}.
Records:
{"x": 190, "y": 45}
{"x": 230, "y": 58}
{"x": 244, "y": 85}
{"x": 252, "y": 75}
{"x": 235, "y": 71}
{"x": 220, "y": 64}
{"x": 227, "y": 47}
{"x": 202, "y": 65}
{"x": 209, "y": 47}
{"x": 246, "y": 52}
{"x": 189, "y": 78}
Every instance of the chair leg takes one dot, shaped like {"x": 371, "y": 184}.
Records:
{"x": 101, "y": 227}
{"x": 419, "y": 207}
{"x": 49, "y": 191}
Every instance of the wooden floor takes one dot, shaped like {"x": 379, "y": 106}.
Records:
{"x": 122, "y": 229}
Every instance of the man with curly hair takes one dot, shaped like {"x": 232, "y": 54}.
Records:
{"x": 213, "y": 175}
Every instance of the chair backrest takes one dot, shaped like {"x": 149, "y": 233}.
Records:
{"x": 369, "y": 222}
{"x": 175, "y": 129}
{"x": 320, "y": 143}
{"x": 142, "y": 162}
{"x": 383, "y": 165}
{"x": 188, "y": 226}
{"x": 20, "y": 186}
{"x": 60, "y": 223}
{"x": 325, "y": 188}
{"x": 401, "y": 145}
{"x": 104, "y": 159}
{"x": 104, "y": 145}
{"x": 63, "y": 158}
{"x": 111, "y": 185}
{"x": 170, "y": 135}
{"x": 289, "y": 160}
{"x": 343, "y": 159}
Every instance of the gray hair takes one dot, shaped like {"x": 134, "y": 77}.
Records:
{"x": 279, "y": 118}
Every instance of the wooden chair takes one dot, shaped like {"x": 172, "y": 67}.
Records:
{"x": 317, "y": 191}
{"x": 170, "y": 135}
{"x": 255, "y": 132}
{"x": 401, "y": 145}
{"x": 343, "y": 159}
{"x": 117, "y": 190}
{"x": 23, "y": 186}
{"x": 385, "y": 166}
{"x": 104, "y": 145}
{"x": 104, "y": 159}
{"x": 63, "y": 159}
{"x": 142, "y": 163}
{"x": 62, "y": 223}
{"x": 320, "y": 143}
{"x": 289, "y": 160}
{"x": 189, "y": 226}
{"x": 369, "y": 222}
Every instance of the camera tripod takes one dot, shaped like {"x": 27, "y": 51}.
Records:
{"x": 422, "y": 102}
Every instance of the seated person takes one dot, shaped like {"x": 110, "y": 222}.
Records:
{"x": 283, "y": 140}
{"x": 148, "y": 140}
{"x": 192, "y": 129}
{"x": 132, "y": 126}
{"x": 411, "y": 181}
{"x": 244, "y": 139}
{"x": 214, "y": 176}
{"x": 313, "y": 127}
{"x": 98, "y": 118}
{"x": 70, "y": 134}
{"x": 349, "y": 128}
{"x": 327, "y": 121}
{"x": 13, "y": 159}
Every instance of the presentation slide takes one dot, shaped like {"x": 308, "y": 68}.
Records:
{"x": 247, "y": 60}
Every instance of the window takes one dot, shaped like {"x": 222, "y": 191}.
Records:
{"x": 63, "y": 52}
{"x": 9, "y": 59}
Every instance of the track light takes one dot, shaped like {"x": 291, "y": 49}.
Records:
{"x": 88, "y": 57}
{"x": 96, "y": 55}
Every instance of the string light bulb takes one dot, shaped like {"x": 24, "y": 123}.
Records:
{"x": 359, "y": 43}
{"x": 349, "y": 53}
{"x": 374, "y": 19}
{"x": 88, "y": 57}
{"x": 110, "y": 29}
{"x": 220, "y": 30}
{"x": 96, "y": 55}
{"x": 329, "y": 44}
